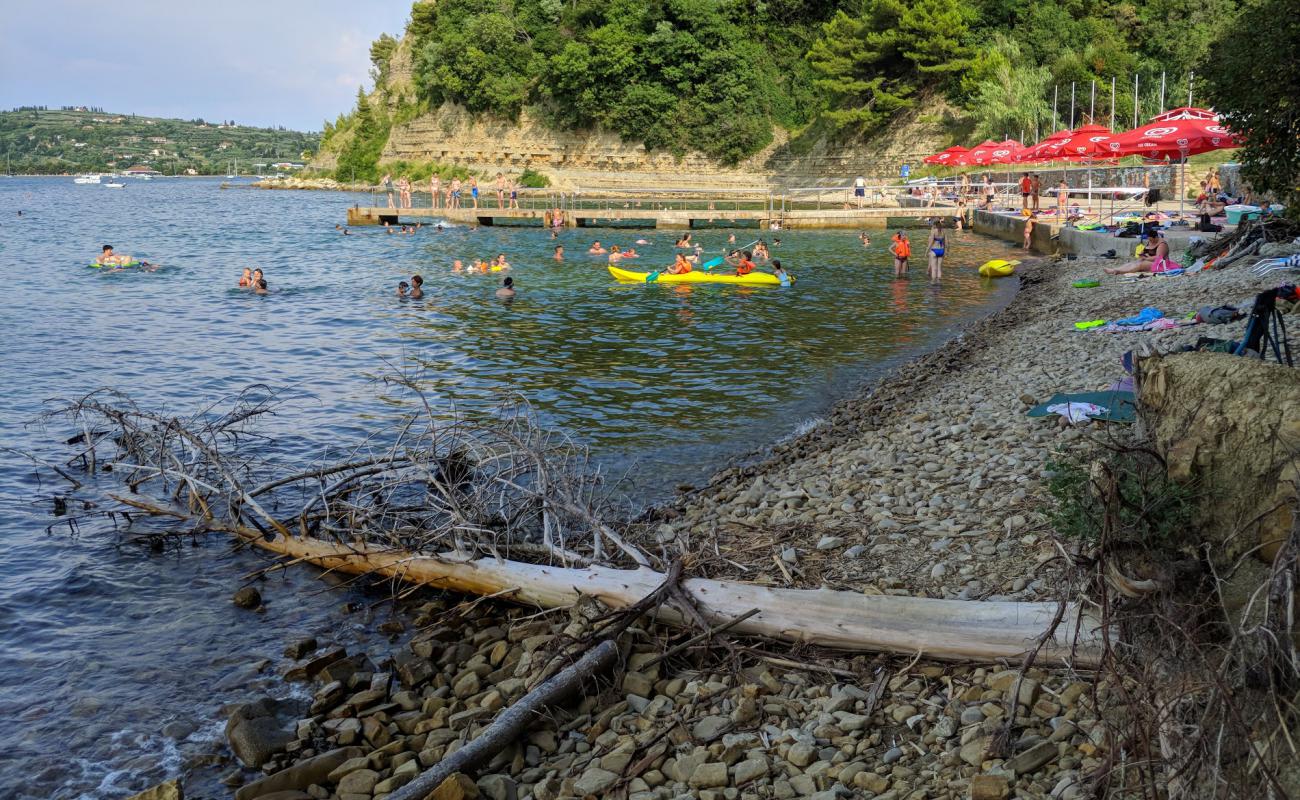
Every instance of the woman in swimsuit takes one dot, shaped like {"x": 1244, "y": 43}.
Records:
{"x": 938, "y": 244}
{"x": 1153, "y": 261}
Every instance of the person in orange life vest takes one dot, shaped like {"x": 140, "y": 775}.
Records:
{"x": 902, "y": 250}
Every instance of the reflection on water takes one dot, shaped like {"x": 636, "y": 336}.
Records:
{"x": 103, "y": 645}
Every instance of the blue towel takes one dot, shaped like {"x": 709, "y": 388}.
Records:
{"x": 1148, "y": 314}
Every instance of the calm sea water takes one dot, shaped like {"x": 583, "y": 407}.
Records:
{"x": 115, "y": 660}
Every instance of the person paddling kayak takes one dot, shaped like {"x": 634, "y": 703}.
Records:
{"x": 680, "y": 267}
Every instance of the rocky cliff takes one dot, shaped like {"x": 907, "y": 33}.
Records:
{"x": 596, "y": 159}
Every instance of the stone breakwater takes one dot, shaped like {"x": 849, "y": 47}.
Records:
{"x": 931, "y": 483}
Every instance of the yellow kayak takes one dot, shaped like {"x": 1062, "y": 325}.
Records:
{"x": 998, "y": 268}
{"x": 696, "y": 276}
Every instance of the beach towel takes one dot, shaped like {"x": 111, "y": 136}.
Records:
{"x": 1078, "y": 412}
{"x": 1120, "y": 406}
{"x": 1148, "y": 314}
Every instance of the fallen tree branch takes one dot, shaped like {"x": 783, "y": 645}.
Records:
{"x": 941, "y": 629}
{"x": 512, "y": 722}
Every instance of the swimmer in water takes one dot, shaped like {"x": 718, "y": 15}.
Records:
{"x": 685, "y": 241}
{"x": 402, "y": 289}
{"x": 457, "y": 266}
{"x": 417, "y": 287}
{"x": 615, "y": 254}
{"x": 596, "y": 249}
{"x": 257, "y": 278}
{"x": 260, "y": 287}
{"x": 559, "y": 252}
{"x": 731, "y": 239}
{"x": 246, "y": 280}
{"x": 500, "y": 262}
{"x": 507, "y": 289}
{"x": 779, "y": 272}
{"x": 631, "y": 253}
{"x": 108, "y": 258}
{"x": 642, "y": 241}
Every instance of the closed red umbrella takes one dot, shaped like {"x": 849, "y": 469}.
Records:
{"x": 1176, "y": 138}
{"x": 981, "y": 153}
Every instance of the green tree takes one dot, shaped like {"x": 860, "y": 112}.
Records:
{"x": 1011, "y": 96}
{"x": 872, "y": 63}
{"x": 381, "y": 53}
{"x": 1255, "y": 90}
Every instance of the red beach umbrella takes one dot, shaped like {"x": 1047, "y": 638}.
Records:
{"x": 1045, "y": 150}
{"x": 982, "y": 152}
{"x": 1187, "y": 112}
{"x": 1005, "y": 152}
{"x": 1177, "y": 138}
{"x": 1088, "y": 142}
{"x": 946, "y": 158}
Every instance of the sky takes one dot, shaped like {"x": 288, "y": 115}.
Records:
{"x": 294, "y": 63}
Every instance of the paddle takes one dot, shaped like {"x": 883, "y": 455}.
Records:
{"x": 714, "y": 262}
{"x": 652, "y": 277}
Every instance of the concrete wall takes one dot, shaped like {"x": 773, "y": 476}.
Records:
{"x": 1012, "y": 229}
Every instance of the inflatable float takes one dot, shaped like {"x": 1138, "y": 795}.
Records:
{"x": 997, "y": 268}
{"x": 696, "y": 276}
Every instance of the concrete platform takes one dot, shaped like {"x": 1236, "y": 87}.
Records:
{"x": 658, "y": 217}
{"x": 1049, "y": 238}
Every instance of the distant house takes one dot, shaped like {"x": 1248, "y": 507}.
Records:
{"x": 140, "y": 169}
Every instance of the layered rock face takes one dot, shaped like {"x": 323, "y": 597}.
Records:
{"x": 596, "y": 159}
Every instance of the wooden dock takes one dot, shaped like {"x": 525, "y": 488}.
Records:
{"x": 613, "y": 214}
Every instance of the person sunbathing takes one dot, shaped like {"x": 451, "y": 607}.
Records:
{"x": 1154, "y": 261}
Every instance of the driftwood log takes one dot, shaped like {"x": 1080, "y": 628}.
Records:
{"x": 513, "y": 722}
{"x": 937, "y": 629}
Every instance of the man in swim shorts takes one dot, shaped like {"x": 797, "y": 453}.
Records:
{"x": 1026, "y": 187}
{"x": 109, "y": 259}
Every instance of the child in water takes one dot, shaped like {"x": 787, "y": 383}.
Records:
{"x": 246, "y": 280}
{"x": 902, "y": 249}
{"x": 401, "y": 288}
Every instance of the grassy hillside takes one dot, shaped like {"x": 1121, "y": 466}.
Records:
{"x": 56, "y": 141}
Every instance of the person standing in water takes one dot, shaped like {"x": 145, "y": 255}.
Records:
{"x": 902, "y": 250}
{"x": 937, "y": 246}
{"x": 507, "y": 290}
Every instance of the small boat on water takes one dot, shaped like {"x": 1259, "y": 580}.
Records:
{"x": 86, "y": 179}
{"x": 115, "y": 185}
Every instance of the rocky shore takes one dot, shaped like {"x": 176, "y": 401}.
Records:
{"x": 931, "y": 483}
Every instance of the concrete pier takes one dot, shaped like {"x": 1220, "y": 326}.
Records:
{"x": 681, "y": 218}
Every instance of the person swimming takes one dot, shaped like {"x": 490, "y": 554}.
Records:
{"x": 780, "y": 273}
{"x": 402, "y": 289}
{"x": 642, "y": 241}
{"x": 685, "y": 241}
{"x": 559, "y": 252}
{"x": 246, "y": 280}
{"x": 630, "y": 253}
{"x": 507, "y": 289}
{"x": 417, "y": 287}
{"x": 260, "y": 286}
{"x": 257, "y": 277}
{"x": 615, "y": 253}
{"x": 596, "y": 249}
{"x": 457, "y": 266}
{"x": 500, "y": 262}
